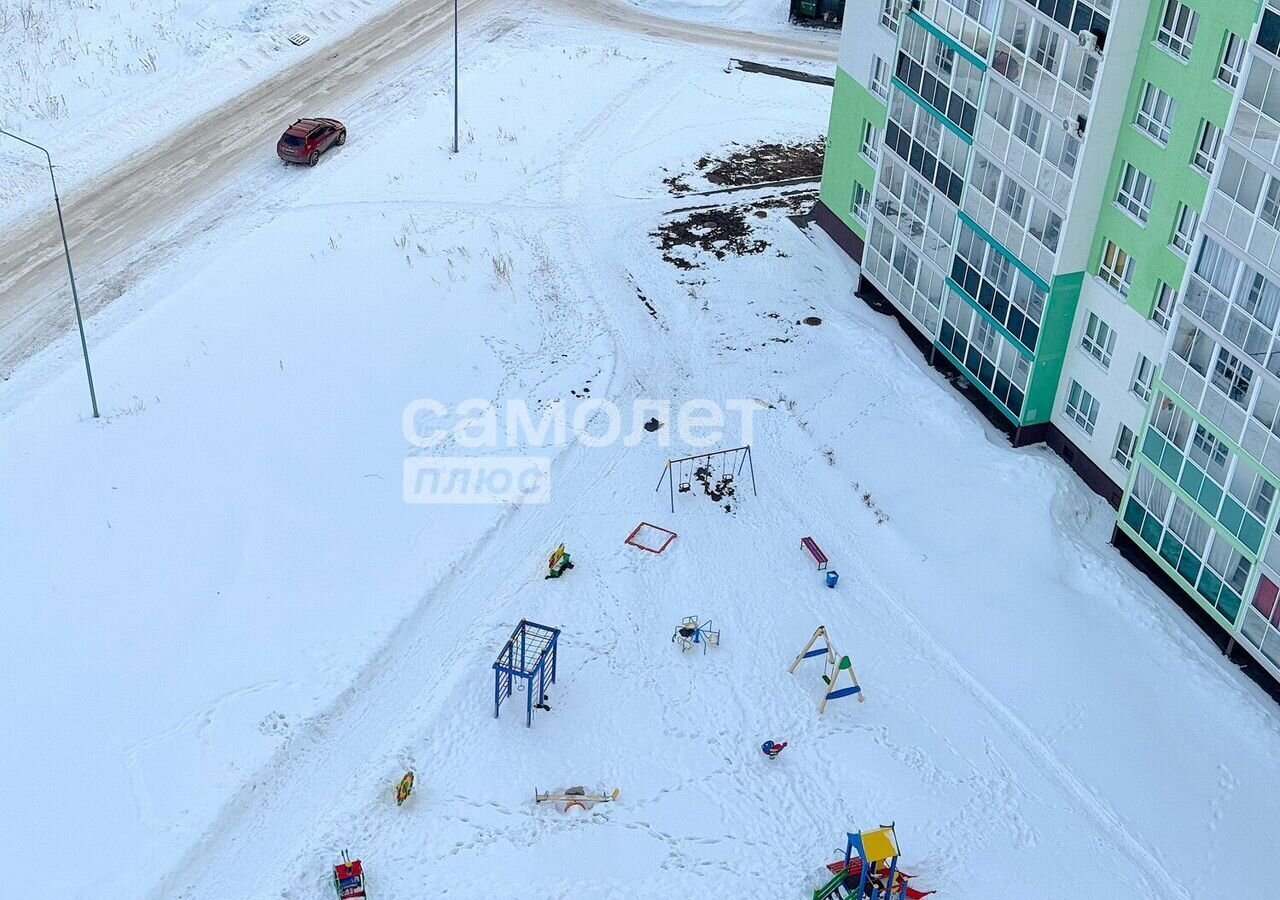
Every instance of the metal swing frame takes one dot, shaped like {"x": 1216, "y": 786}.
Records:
{"x": 727, "y": 474}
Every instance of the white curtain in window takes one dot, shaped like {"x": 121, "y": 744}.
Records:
{"x": 1264, "y": 300}
{"x": 1217, "y": 266}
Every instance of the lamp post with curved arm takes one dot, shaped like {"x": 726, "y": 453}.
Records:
{"x": 75, "y": 297}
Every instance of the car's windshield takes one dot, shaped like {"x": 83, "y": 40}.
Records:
{"x": 291, "y": 140}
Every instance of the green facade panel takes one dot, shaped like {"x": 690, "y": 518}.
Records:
{"x": 1051, "y": 351}
{"x": 852, "y": 107}
{"x": 1199, "y": 96}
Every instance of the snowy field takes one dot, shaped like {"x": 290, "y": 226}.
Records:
{"x": 763, "y": 16}
{"x": 229, "y": 634}
{"x": 95, "y": 80}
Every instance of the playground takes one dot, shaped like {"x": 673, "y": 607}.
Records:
{"x": 243, "y": 655}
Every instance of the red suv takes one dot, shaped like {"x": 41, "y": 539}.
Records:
{"x": 306, "y": 139}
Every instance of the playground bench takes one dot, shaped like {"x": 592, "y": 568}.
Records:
{"x": 815, "y": 551}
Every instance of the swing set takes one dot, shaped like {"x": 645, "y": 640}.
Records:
{"x": 835, "y": 664}
{"x": 716, "y": 471}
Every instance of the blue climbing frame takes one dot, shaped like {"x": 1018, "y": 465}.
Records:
{"x": 530, "y": 653}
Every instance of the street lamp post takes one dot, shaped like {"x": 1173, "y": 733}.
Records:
{"x": 75, "y": 297}
{"x": 455, "y": 76}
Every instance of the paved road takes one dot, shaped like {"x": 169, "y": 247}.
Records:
{"x": 116, "y": 222}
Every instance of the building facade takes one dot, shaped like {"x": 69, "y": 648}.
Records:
{"x": 1075, "y": 204}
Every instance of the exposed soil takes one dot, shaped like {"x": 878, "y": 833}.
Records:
{"x": 812, "y": 320}
{"x": 723, "y": 230}
{"x": 720, "y": 230}
{"x": 759, "y": 164}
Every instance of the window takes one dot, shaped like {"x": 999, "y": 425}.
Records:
{"x": 1252, "y": 490}
{"x": 944, "y": 58}
{"x": 1162, "y": 314}
{"x": 942, "y": 78}
{"x": 1262, "y": 94}
{"x": 1271, "y": 203}
{"x": 871, "y": 143}
{"x": 1045, "y": 50}
{"x": 986, "y": 276}
{"x": 1232, "y": 61}
{"x": 1000, "y": 105}
{"x": 1013, "y": 200}
{"x": 1028, "y": 126}
{"x": 1155, "y": 113}
{"x": 1231, "y": 376}
{"x": 1126, "y": 442}
{"x": 1207, "y": 149}
{"x": 919, "y": 139}
{"x": 1264, "y": 494}
{"x": 1232, "y": 566}
{"x": 1144, "y": 374}
{"x": 861, "y": 202}
{"x": 1117, "y": 268}
{"x": 1184, "y": 229}
{"x": 889, "y": 12}
{"x": 1209, "y": 453}
{"x": 1177, "y": 30}
{"x": 880, "y": 78}
{"x": 1082, "y": 408}
{"x": 1099, "y": 340}
{"x": 1241, "y": 180}
{"x": 1135, "y": 192}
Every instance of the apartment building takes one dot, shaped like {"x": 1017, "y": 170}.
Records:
{"x": 1201, "y": 501}
{"x": 1075, "y": 206}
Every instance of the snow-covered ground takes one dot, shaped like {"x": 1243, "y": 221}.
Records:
{"x": 764, "y": 16}
{"x": 229, "y": 635}
{"x": 95, "y": 80}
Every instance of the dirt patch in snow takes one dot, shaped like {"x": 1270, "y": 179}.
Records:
{"x": 759, "y": 164}
{"x": 723, "y": 230}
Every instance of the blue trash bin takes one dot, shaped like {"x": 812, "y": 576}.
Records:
{"x": 832, "y": 578}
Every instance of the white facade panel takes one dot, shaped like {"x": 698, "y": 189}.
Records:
{"x": 1110, "y": 386}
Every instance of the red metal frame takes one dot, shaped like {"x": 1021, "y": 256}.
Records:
{"x": 631, "y": 537}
